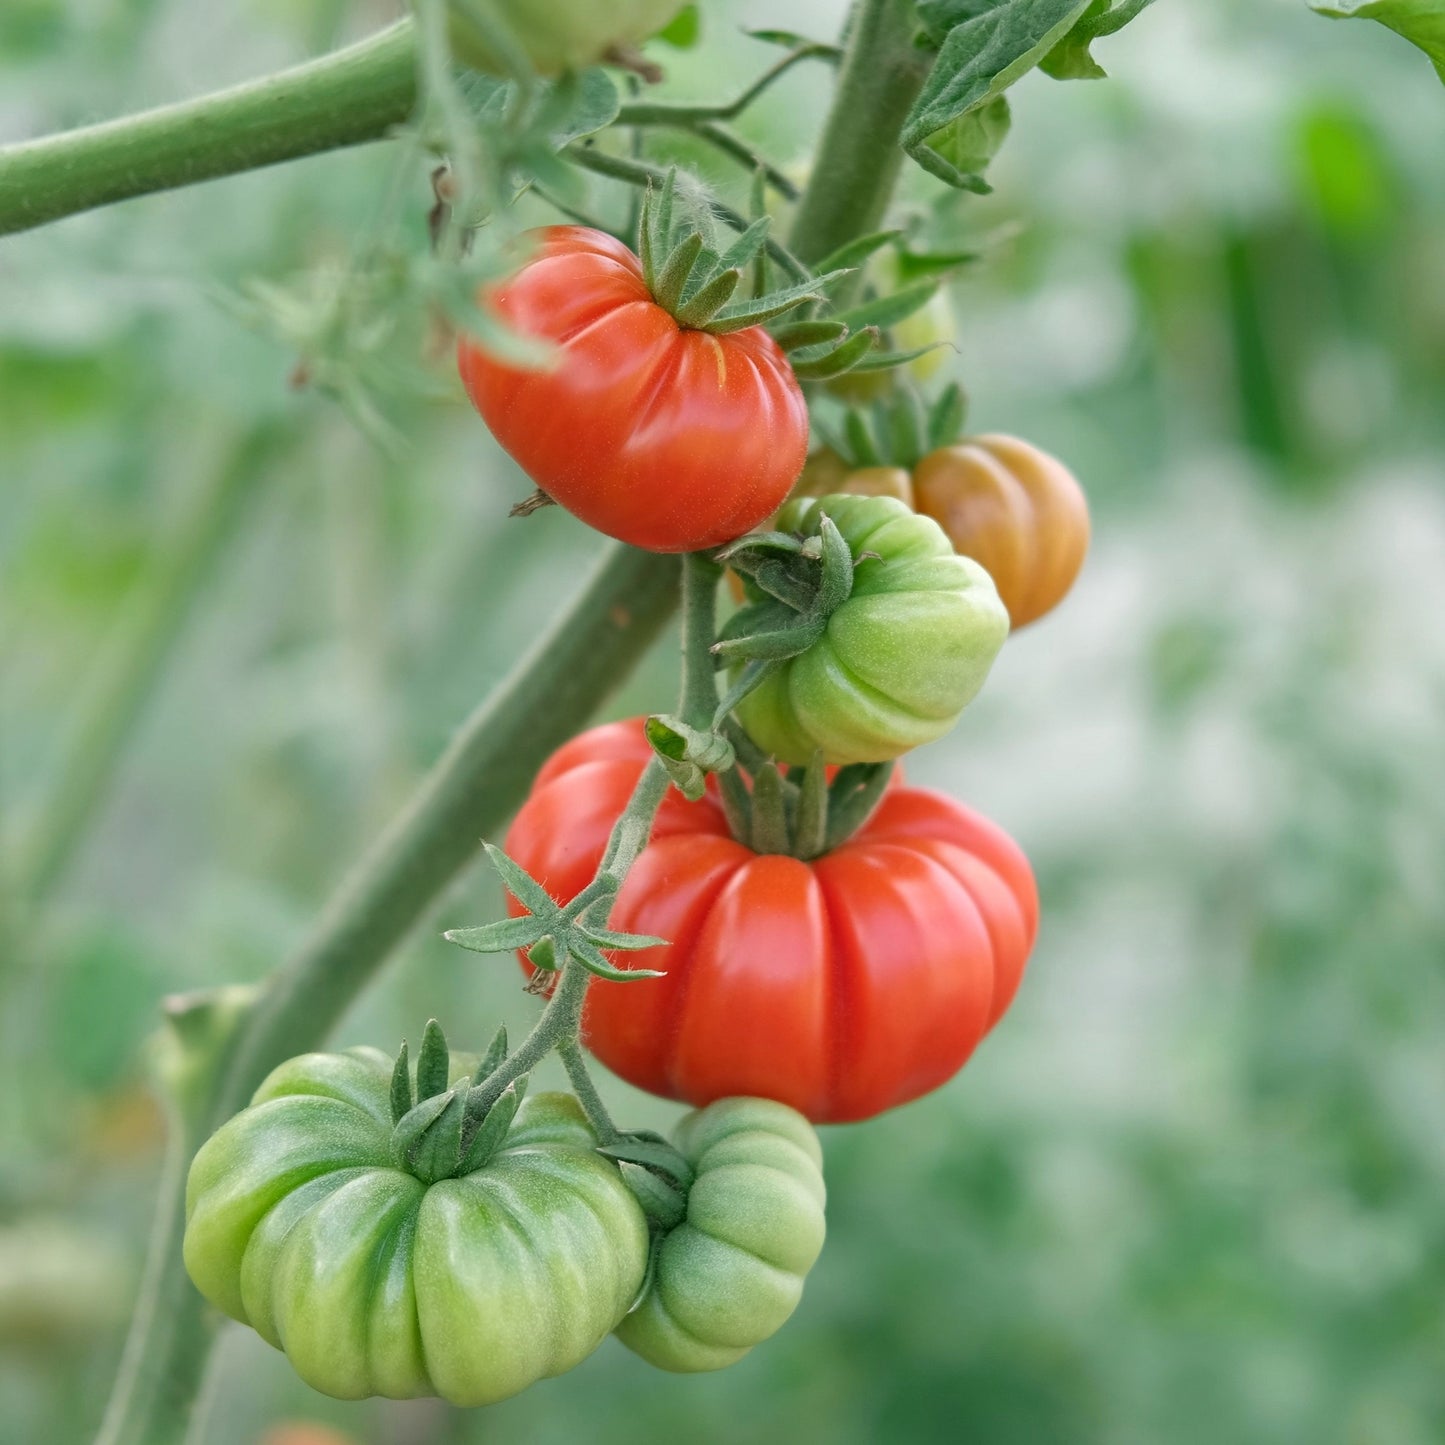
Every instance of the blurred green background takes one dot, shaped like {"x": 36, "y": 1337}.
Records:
{"x": 1193, "y": 1190}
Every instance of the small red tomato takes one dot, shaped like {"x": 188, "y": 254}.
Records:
{"x": 842, "y": 986}
{"x": 670, "y": 438}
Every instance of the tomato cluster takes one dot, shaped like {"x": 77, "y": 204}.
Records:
{"x": 792, "y": 936}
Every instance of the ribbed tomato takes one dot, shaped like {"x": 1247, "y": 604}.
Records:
{"x": 670, "y": 438}
{"x": 1015, "y": 510}
{"x": 841, "y": 986}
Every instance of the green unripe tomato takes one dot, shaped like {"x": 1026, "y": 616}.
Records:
{"x": 731, "y": 1273}
{"x": 899, "y": 660}
{"x": 557, "y": 35}
{"x": 299, "y": 1223}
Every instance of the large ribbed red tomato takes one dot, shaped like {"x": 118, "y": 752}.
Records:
{"x": 841, "y": 986}
{"x": 670, "y": 438}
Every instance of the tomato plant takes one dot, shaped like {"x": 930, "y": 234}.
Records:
{"x": 728, "y": 1275}
{"x": 380, "y": 1272}
{"x": 670, "y": 437}
{"x": 841, "y": 986}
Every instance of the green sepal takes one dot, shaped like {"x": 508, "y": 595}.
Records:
{"x": 837, "y": 581}
{"x": 896, "y": 306}
{"x": 708, "y": 299}
{"x": 543, "y": 955}
{"x": 653, "y": 1152}
{"x": 855, "y": 792}
{"x": 522, "y": 886}
{"x": 401, "y": 1095}
{"x": 774, "y": 646}
{"x": 433, "y": 1062}
{"x": 946, "y": 417}
{"x": 810, "y": 830}
{"x": 770, "y": 818}
{"x": 672, "y": 280}
{"x": 888, "y": 360}
{"x": 494, "y": 1056}
{"x": 426, "y": 1141}
{"x": 748, "y": 246}
{"x": 797, "y": 335}
{"x": 664, "y": 1204}
{"x": 483, "y": 1134}
{"x": 853, "y": 254}
{"x": 503, "y": 936}
{"x": 742, "y": 314}
{"x": 846, "y": 356}
{"x": 592, "y": 960}
{"x": 748, "y": 680}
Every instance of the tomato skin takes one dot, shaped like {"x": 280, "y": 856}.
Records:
{"x": 667, "y": 438}
{"x": 900, "y": 659}
{"x": 373, "y": 1283}
{"x": 564, "y": 34}
{"x": 732, "y": 1272}
{"x": 1015, "y": 510}
{"x": 841, "y": 987}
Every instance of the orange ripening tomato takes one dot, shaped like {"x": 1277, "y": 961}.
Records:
{"x": 1015, "y": 510}
{"x": 842, "y": 986}
{"x": 669, "y": 438}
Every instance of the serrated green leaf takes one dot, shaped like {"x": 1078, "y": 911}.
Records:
{"x": 854, "y": 253}
{"x": 981, "y": 57}
{"x": 1071, "y": 59}
{"x": 967, "y": 145}
{"x": 1421, "y": 22}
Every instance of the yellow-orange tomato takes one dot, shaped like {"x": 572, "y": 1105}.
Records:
{"x": 1015, "y": 510}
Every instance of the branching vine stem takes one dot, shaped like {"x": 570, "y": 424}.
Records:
{"x": 560, "y": 1026}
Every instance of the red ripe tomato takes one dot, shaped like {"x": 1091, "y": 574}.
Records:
{"x": 842, "y": 986}
{"x": 669, "y": 438}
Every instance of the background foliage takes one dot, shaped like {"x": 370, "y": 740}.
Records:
{"x": 1191, "y": 1191}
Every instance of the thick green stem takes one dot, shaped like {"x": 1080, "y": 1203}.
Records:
{"x": 353, "y": 95}
{"x": 470, "y": 791}
{"x": 152, "y": 631}
{"x": 859, "y": 156}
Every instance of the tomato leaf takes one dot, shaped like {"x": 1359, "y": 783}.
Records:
{"x": 1071, "y": 59}
{"x": 981, "y": 55}
{"x": 1421, "y": 22}
{"x": 962, "y": 150}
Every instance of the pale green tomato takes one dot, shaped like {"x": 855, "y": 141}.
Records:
{"x": 560, "y": 35}
{"x": 732, "y": 1272}
{"x": 900, "y": 659}
{"x": 299, "y": 1224}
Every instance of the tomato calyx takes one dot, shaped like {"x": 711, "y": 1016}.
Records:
{"x": 898, "y": 430}
{"x": 657, "y": 1174}
{"x": 694, "y": 280}
{"x": 794, "y": 584}
{"x": 442, "y": 1132}
{"x": 550, "y": 933}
